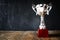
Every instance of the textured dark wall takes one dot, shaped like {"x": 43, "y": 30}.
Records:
{"x": 18, "y": 15}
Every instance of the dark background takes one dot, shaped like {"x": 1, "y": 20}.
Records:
{"x": 18, "y": 15}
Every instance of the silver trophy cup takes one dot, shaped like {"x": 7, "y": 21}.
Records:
{"x": 42, "y": 10}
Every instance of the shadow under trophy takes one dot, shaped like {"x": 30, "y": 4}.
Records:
{"x": 42, "y": 10}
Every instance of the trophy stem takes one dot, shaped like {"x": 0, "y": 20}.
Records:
{"x": 42, "y": 23}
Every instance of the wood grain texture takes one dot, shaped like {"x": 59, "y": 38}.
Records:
{"x": 23, "y": 35}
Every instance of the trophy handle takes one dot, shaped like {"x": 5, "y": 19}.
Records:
{"x": 34, "y": 8}
{"x": 48, "y": 9}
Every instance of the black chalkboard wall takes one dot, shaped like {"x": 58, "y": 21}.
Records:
{"x": 18, "y": 15}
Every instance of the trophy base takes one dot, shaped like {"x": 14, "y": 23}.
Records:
{"x": 42, "y": 33}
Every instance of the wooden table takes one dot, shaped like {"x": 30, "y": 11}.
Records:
{"x": 26, "y": 35}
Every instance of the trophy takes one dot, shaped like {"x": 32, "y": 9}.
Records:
{"x": 42, "y": 10}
